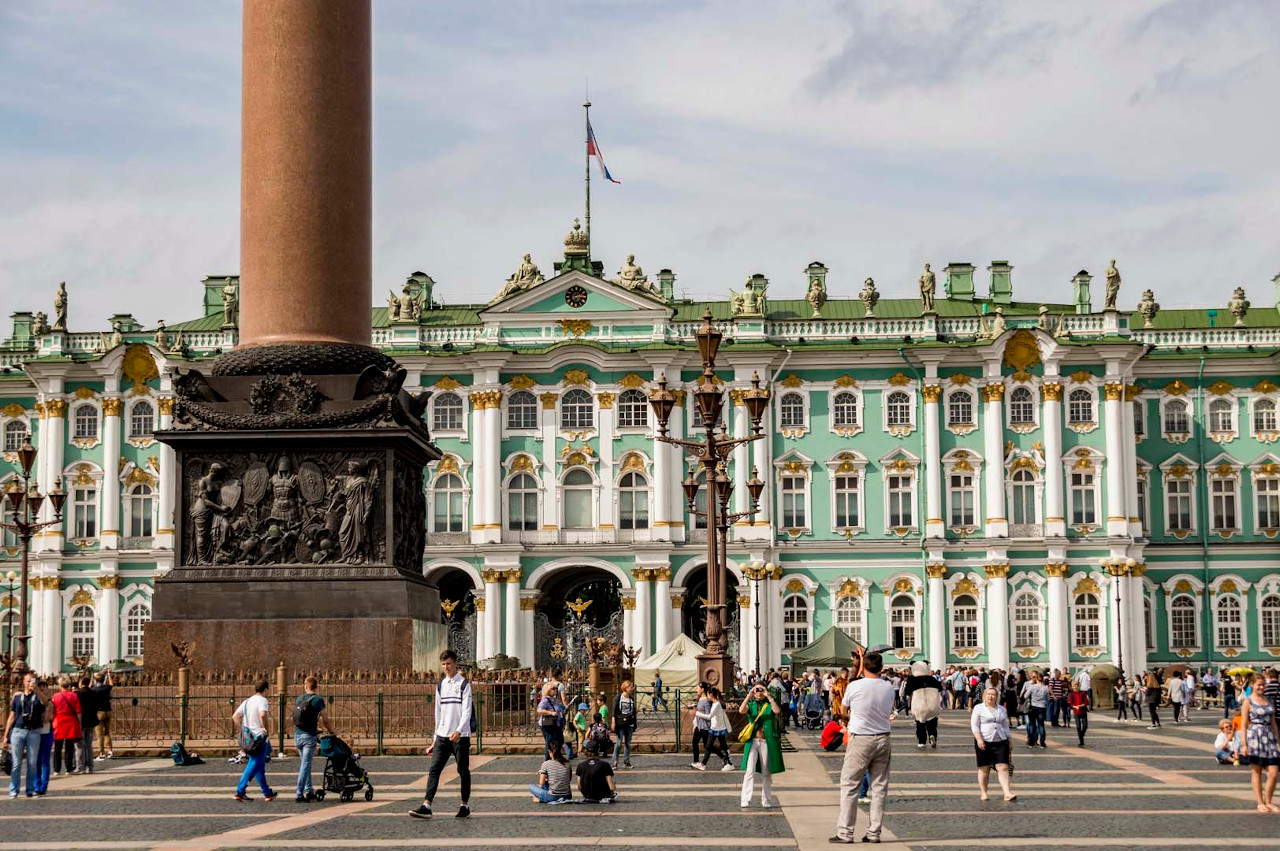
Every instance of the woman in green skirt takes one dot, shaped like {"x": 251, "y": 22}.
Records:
{"x": 763, "y": 749}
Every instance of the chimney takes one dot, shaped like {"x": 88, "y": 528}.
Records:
{"x": 667, "y": 283}
{"x": 1083, "y": 303}
{"x": 959, "y": 282}
{"x": 1001, "y": 281}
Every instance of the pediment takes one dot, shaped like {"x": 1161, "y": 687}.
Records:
{"x": 547, "y": 300}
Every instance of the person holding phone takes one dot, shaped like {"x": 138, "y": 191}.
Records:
{"x": 869, "y": 701}
{"x": 763, "y": 748}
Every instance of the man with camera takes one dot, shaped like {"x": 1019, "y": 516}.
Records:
{"x": 868, "y": 703}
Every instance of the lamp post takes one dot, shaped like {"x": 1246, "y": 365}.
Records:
{"x": 11, "y": 582}
{"x": 1118, "y": 568}
{"x": 714, "y": 666}
{"x": 24, "y": 502}
{"x": 755, "y": 572}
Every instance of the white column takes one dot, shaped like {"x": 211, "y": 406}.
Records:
{"x": 1137, "y": 634}
{"x": 744, "y": 634}
{"x": 109, "y": 619}
{"x": 935, "y": 526}
{"x": 753, "y": 615}
{"x": 628, "y": 621}
{"x": 1130, "y": 443}
{"x": 51, "y": 629}
{"x": 528, "y": 605}
{"x": 1055, "y": 522}
{"x": 761, "y": 459}
{"x": 675, "y": 456}
{"x": 606, "y": 521}
{"x": 937, "y": 603}
{"x": 1059, "y": 646}
{"x": 741, "y": 465}
{"x": 998, "y": 616}
{"x": 480, "y": 476}
{"x": 773, "y": 614}
{"x": 482, "y": 630}
{"x": 662, "y": 607}
{"x": 493, "y": 467}
{"x": 109, "y": 499}
{"x": 993, "y": 446}
{"x": 512, "y": 613}
{"x": 168, "y": 476}
{"x": 661, "y": 485}
{"x": 52, "y": 445}
{"x": 640, "y": 623}
{"x": 550, "y": 492}
{"x": 493, "y": 610}
{"x": 1117, "y": 518}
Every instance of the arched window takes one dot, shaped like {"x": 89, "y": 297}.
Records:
{"x": 898, "y": 409}
{"x": 1087, "y": 620}
{"x": 1220, "y": 415}
{"x": 84, "y": 511}
{"x": 1175, "y": 417}
{"x": 522, "y": 410}
{"x": 849, "y": 617}
{"x": 844, "y": 410}
{"x": 447, "y": 414}
{"x": 1080, "y": 407}
{"x": 83, "y": 627}
{"x": 1264, "y": 416}
{"x": 577, "y": 491}
{"x": 1023, "y": 507}
{"x": 1230, "y": 619}
{"x": 142, "y": 419}
{"x": 1026, "y": 620}
{"x": 85, "y": 423}
{"x": 964, "y": 622}
{"x": 577, "y": 410}
{"x": 135, "y": 619}
{"x": 792, "y": 407}
{"x": 633, "y": 502}
{"x": 522, "y": 504}
{"x": 141, "y": 506}
{"x": 960, "y": 408}
{"x": 795, "y": 622}
{"x": 446, "y": 501}
{"x": 1182, "y": 621}
{"x": 902, "y": 622}
{"x": 1022, "y": 408}
{"x": 1271, "y": 620}
{"x": 633, "y": 409}
{"x": 15, "y": 434}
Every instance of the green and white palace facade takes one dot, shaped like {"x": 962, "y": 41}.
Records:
{"x": 962, "y": 483}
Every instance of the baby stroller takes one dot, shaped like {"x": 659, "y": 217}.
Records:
{"x": 814, "y": 710}
{"x": 342, "y": 771}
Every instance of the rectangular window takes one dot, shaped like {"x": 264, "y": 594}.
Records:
{"x": 1084, "y": 510}
{"x": 522, "y": 512}
{"x": 577, "y": 508}
{"x": 140, "y": 516}
{"x": 1024, "y": 503}
{"x": 85, "y": 513}
{"x": 1182, "y": 625}
{"x": 1270, "y": 625}
{"x": 961, "y": 499}
{"x": 1142, "y": 505}
{"x": 1178, "y": 497}
{"x": 82, "y": 643}
{"x": 965, "y": 629}
{"x": 1230, "y": 630}
{"x": 1224, "y": 504}
{"x": 904, "y": 627}
{"x": 1139, "y": 420}
{"x": 1086, "y": 635}
{"x": 1267, "y": 496}
{"x": 447, "y": 511}
{"x": 793, "y": 514}
{"x": 633, "y": 506}
{"x": 900, "y": 502}
{"x": 847, "y": 502}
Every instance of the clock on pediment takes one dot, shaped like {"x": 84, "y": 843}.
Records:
{"x": 575, "y": 296}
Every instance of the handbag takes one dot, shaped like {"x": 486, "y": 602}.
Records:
{"x": 750, "y": 730}
{"x": 252, "y": 744}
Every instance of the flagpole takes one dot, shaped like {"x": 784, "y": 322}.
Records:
{"x": 586, "y": 105}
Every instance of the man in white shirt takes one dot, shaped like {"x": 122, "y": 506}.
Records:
{"x": 453, "y": 736}
{"x": 250, "y": 718}
{"x": 1189, "y": 697}
{"x": 868, "y": 703}
{"x": 1086, "y": 685}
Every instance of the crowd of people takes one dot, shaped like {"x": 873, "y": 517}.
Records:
{"x": 51, "y": 727}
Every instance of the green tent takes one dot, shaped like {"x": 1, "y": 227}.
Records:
{"x": 830, "y": 650}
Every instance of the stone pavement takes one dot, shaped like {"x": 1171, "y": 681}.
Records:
{"x": 1130, "y": 788}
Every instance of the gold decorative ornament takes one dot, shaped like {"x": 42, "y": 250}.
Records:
{"x": 936, "y": 571}
{"x": 549, "y": 401}
{"x": 480, "y": 603}
{"x": 1056, "y": 570}
{"x": 960, "y": 379}
{"x": 39, "y": 408}
{"x": 1132, "y": 392}
{"x": 1022, "y": 377}
{"x": 1177, "y": 387}
{"x": 1082, "y": 376}
{"x": 1022, "y": 352}
{"x": 1024, "y": 463}
{"x": 1178, "y": 471}
{"x": 522, "y": 464}
{"x": 1113, "y": 391}
{"x": 576, "y": 327}
{"x": 793, "y": 468}
{"x": 492, "y": 576}
{"x": 744, "y": 601}
{"x": 1266, "y": 385}
{"x": 82, "y": 597}
{"x": 447, "y": 382}
{"x": 1228, "y": 586}
{"x": 904, "y": 586}
{"x": 520, "y": 382}
{"x": 634, "y": 462}
{"x": 849, "y": 588}
{"x": 165, "y": 404}
{"x": 109, "y": 581}
{"x": 448, "y": 464}
{"x": 931, "y": 393}
{"x": 993, "y": 392}
{"x": 56, "y": 407}
{"x": 13, "y": 409}
{"x": 631, "y": 381}
{"x": 662, "y": 574}
{"x": 629, "y": 604}
{"x": 606, "y": 400}
{"x": 139, "y": 476}
{"x": 899, "y": 379}
{"x": 578, "y": 607}
{"x": 84, "y": 392}
{"x": 846, "y": 380}
{"x": 995, "y": 571}
{"x": 447, "y": 606}
{"x": 795, "y": 586}
{"x": 964, "y": 586}
{"x": 83, "y": 475}
{"x": 576, "y": 459}
{"x": 139, "y": 366}
{"x": 792, "y": 381}
{"x": 1220, "y": 388}
{"x": 1087, "y": 586}
{"x": 576, "y": 377}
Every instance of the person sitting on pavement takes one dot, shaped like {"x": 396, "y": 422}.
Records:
{"x": 595, "y": 777}
{"x": 552, "y": 786}
{"x": 1224, "y": 746}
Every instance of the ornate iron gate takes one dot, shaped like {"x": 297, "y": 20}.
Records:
{"x": 567, "y": 646}
{"x": 462, "y": 639}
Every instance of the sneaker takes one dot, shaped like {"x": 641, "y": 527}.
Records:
{"x": 697, "y": 766}
{"x": 627, "y": 763}
{"x": 99, "y": 758}
{"x": 864, "y": 800}
{"x": 920, "y": 747}
{"x": 244, "y": 799}
{"x": 464, "y": 811}
{"x": 423, "y": 811}
{"x": 269, "y": 797}
{"x": 870, "y": 838}
{"x": 38, "y": 794}
{"x": 1153, "y": 727}
{"x": 933, "y": 742}
{"x": 300, "y": 799}
{"x": 310, "y": 797}
{"x": 727, "y": 767}
{"x": 13, "y": 795}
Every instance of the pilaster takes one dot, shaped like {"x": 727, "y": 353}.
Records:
{"x": 993, "y": 445}
{"x": 935, "y": 526}
{"x": 168, "y": 480}
{"x": 937, "y": 603}
{"x": 109, "y": 619}
{"x": 1059, "y": 644}
{"x": 109, "y": 498}
{"x": 1055, "y": 523}
{"x": 1114, "y": 425}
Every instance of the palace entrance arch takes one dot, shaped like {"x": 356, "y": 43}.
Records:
{"x": 576, "y": 603}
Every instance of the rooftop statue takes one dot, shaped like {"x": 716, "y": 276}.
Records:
{"x": 1148, "y": 308}
{"x": 523, "y": 278}
{"x": 994, "y": 327}
{"x": 928, "y": 284}
{"x": 633, "y": 278}
{"x": 869, "y": 298}
{"x": 162, "y": 336}
{"x": 230, "y": 298}
{"x": 817, "y": 296}
{"x": 751, "y": 301}
{"x": 60, "y": 308}
{"x": 404, "y": 307}
{"x": 1239, "y": 306}
{"x": 41, "y": 324}
{"x": 1113, "y": 286}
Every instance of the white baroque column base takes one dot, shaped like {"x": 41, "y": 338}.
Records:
{"x": 935, "y": 529}
{"x": 1055, "y": 528}
{"x": 997, "y": 528}
{"x": 1118, "y": 526}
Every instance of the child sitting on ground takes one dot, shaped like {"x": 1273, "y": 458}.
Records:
{"x": 1224, "y": 746}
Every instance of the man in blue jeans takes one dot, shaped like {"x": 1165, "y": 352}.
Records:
{"x": 251, "y": 719}
{"x": 22, "y": 735}
{"x": 308, "y": 713}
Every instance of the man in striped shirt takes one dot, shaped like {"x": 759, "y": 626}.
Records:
{"x": 453, "y": 735}
{"x": 1057, "y": 697}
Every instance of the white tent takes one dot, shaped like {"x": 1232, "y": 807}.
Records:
{"x": 677, "y": 661}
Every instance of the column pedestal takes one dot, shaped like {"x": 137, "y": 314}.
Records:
{"x": 937, "y": 602}
{"x": 662, "y": 608}
{"x": 109, "y": 619}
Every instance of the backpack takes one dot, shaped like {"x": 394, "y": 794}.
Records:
{"x": 599, "y": 734}
{"x": 182, "y": 757}
{"x": 305, "y": 713}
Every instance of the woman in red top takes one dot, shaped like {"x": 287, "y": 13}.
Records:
{"x": 1079, "y": 703}
{"x": 66, "y": 727}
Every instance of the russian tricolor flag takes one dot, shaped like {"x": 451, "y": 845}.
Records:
{"x": 593, "y": 150}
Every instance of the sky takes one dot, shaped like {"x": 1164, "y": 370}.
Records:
{"x": 748, "y": 136}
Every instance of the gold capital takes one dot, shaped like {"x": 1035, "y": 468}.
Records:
{"x": 1131, "y": 392}
{"x": 549, "y": 401}
{"x": 479, "y": 604}
{"x": 662, "y": 574}
{"x": 493, "y": 576}
{"x": 641, "y": 574}
{"x": 528, "y": 604}
{"x": 1056, "y": 569}
{"x": 606, "y": 400}
{"x": 56, "y": 407}
{"x": 165, "y": 403}
{"x": 1052, "y": 391}
{"x": 936, "y": 571}
{"x": 629, "y": 603}
{"x": 109, "y": 581}
{"x": 996, "y": 571}
{"x": 993, "y": 392}
{"x": 1113, "y": 390}
{"x": 112, "y": 407}
{"x": 931, "y": 392}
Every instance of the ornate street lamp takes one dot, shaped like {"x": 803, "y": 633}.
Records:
{"x": 24, "y": 502}
{"x": 756, "y": 572}
{"x": 1118, "y": 568}
{"x": 711, "y": 452}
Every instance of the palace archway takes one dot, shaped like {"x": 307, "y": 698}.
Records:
{"x": 576, "y": 603}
